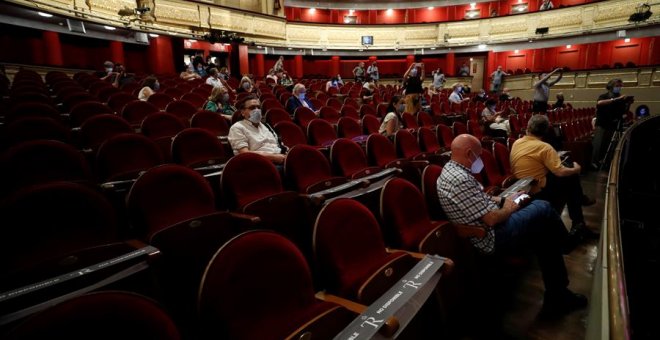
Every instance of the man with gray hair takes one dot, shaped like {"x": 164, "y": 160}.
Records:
{"x": 299, "y": 99}
{"x": 557, "y": 182}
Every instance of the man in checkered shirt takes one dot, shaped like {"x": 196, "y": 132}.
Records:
{"x": 536, "y": 226}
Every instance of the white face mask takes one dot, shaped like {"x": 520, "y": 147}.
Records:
{"x": 108, "y": 69}
{"x": 413, "y": 72}
{"x": 255, "y": 116}
{"x": 617, "y": 90}
{"x": 477, "y": 165}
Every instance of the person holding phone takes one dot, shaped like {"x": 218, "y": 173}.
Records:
{"x": 610, "y": 109}
{"x": 508, "y": 226}
{"x": 557, "y": 183}
{"x": 412, "y": 84}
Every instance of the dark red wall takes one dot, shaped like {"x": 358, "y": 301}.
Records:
{"x": 418, "y": 15}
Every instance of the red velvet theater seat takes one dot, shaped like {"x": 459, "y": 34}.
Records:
{"x": 348, "y": 159}
{"x": 125, "y": 156}
{"x": 96, "y": 130}
{"x": 309, "y": 170}
{"x": 210, "y": 121}
{"x": 195, "y": 147}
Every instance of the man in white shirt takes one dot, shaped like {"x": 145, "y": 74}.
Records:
{"x": 438, "y": 79}
{"x": 213, "y": 79}
{"x": 372, "y": 70}
{"x": 456, "y": 97}
{"x": 250, "y": 135}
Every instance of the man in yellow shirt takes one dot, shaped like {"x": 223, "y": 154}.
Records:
{"x": 557, "y": 183}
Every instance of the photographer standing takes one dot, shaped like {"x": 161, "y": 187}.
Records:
{"x": 610, "y": 109}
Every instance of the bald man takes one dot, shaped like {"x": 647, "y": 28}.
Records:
{"x": 536, "y": 226}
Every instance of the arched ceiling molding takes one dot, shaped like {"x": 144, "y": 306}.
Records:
{"x": 194, "y": 19}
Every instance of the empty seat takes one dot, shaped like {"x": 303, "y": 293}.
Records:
{"x": 425, "y": 120}
{"x": 381, "y": 152}
{"x": 348, "y": 127}
{"x": 303, "y": 116}
{"x": 34, "y": 128}
{"x": 350, "y": 111}
{"x": 445, "y": 135}
{"x": 290, "y": 133}
{"x": 429, "y": 189}
{"x": 210, "y": 121}
{"x": 329, "y": 114}
{"x": 195, "y": 147}
{"x": 197, "y": 100}
{"x": 309, "y": 170}
{"x": 348, "y": 159}
{"x": 117, "y": 101}
{"x": 370, "y": 124}
{"x": 350, "y": 253}
{"x": 320, "y": 132}
{"x": 501, "y": 154}
{"x": 406, "y": 221}
{"x": 31, "y": 109}
{"x": 125, "y": 156}
{"x": 182, "y": 109}
{"x": 136, "y": 110}
{"x": 160, "y": 100}
{"x": 84, "y": 110}
{"x": 161, "y": 125}
{"x": 407, "y": 147}
{"x": 101, "y": 315}
{"x": 41, "y": 161}
{"x": 234, "y": 302}
{"x": 276, "y": 115}
{"x": 96, "y": 130}
{"x": 50, "y": 221}
{"x": 428, "y": 140}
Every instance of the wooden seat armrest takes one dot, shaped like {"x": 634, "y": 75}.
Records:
{"x": 388, "y": 329}
{"x": 447, "y": 268}
{"x": 466, "y": 231}
{"x": 251, "y": 219}
{"x": 353, "y": 306}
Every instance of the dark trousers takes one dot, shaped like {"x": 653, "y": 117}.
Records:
{"x": 539, "y": 228}
{"x": 540, "y": 107}
{"x": 602, "y": 139}
{"x": 560, "y": 191}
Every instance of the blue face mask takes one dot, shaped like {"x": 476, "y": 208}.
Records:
{"x": 255, "y": 116}
{"x": 413, "y": 72}
{"x": 156, "y": 86}
{"x": 301, "y": 96}
{"x": 616, "y": 90}
{"x": 477, "y": 165}
{"x": 402, "y": 107}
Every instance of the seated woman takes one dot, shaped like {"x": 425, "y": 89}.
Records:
{"x": 391, "y": 124}
{"x": 219, "y": 102}
{"x": 149, "y": 86}
{"x": 245, "y": 86}
{"x": 493, "y": 120}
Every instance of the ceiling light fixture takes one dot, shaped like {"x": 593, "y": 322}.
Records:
{"x": 433, "y": 48}
{"x": 153, "y": 35}
{"x": 482, "y": 46}
{"x": 45, "y": 15}
{"x": 473, "y": 5}
{"x": 516, "y": 51}
{"x": 109, "y": 28}
{"x": 569, "y": 46}
{"x": 431, "y": 8}
{"x": 312, "y": 10}
{"x": 350, "y": 12}
{"x": 627, "y": 40}
{"x": 389, "y": 11}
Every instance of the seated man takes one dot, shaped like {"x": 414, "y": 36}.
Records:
{"x": 299, "y": 99}
{"x": 508, "y": 226}
{"x": 558, "y": 184}
{"x": 456, "y": 96}
{"x": 250, "y": 135}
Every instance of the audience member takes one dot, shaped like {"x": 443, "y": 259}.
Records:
{"x": 559, "y": 104}
{"x": 412, "y": 84}
{"x": 333, "y": 82}
{"x": 456, "y": 96}
{"x": 245, "y": 86}
{"x": 224, "y": 73}
{"x": 149, "y": 86}
{"x": 279, "y": 65}
{"x": 546, "y": 5}
{"x": 213, "y": 79}
{"x": 286, "y": 81}
{"x": 496, "y": 78}
{"x": 299, "y": 99}
{"x": 358, "y": 72}
{"x": 509, "y": 227}
{"x": 391, "y": 124}
{"x": 218, "y": 102}
{"x": 250, "y": 135}
{"x": 611, "y": 107}
{"x": 464, "y": 71}
{"x": 542, "y": 90}
{"x": 493, "y": 119}
{"x": 189, "y": 74}
{"x": 372, "y": 71}
{"x": 556, "y": 182}
{"x": 108, "y": 71}
{"x": 271, "y": 75}
{"x": 368, "y": 91}
{"x": 121, "y": 78}
{"x": 482, "y": 96}
{"x": 504, "y": 96}
{"x": 438, "y": 79}
{"x": 493, "y": 12}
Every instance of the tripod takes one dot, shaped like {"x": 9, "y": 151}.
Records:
{"x": 613, "y": 143}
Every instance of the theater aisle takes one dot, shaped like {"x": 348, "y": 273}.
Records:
{"x": 521, "y": 318}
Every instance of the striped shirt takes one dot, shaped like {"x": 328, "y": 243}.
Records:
{"x": 464, "y": 201}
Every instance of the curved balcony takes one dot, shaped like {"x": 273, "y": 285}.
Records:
{"x": 194, "y": 19}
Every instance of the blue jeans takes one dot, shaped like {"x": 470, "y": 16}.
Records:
{"x": 539, "y": 228}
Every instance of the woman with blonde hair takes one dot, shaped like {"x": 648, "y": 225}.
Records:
{"x": 245, "y": 85}
{"x": 219, "y": 102}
